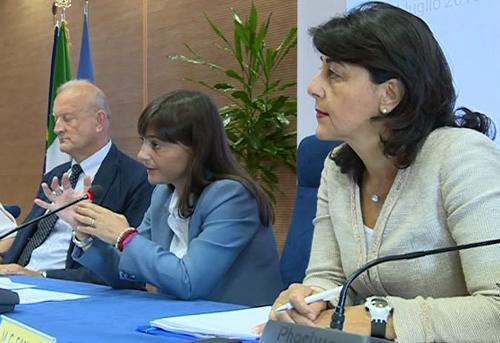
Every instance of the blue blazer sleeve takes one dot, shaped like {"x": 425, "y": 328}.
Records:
{"x": 224, "y": 223}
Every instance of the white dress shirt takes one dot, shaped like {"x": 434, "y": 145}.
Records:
{"x": 179, "y": 226}
{"x": 52, "y": 253}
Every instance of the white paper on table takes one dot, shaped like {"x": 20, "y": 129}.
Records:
{"x": 230, "y": 324}
{"x": 33, "y": 295}
{"x": 7, "y": 283}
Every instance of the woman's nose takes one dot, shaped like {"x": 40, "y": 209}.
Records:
{"x": 142, "y": 155}
{"x": 314, "y": 89}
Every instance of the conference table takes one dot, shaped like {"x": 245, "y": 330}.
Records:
{"x": 107, "y": 315}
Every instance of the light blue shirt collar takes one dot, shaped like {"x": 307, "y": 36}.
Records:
{"x": 91, "y": 164}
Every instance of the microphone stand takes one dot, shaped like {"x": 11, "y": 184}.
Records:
{"x": 338, "y": 316}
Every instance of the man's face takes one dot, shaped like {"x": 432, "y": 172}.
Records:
{"x": 76, "y": 127}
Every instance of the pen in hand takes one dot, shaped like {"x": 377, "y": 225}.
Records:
{"x": 323, "y": 296}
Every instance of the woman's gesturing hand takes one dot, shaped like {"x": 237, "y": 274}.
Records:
{"x": 100, "y": 222}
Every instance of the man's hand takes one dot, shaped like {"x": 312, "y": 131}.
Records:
{"x": 15, "y": 269}
{"x": 62, "y": 195}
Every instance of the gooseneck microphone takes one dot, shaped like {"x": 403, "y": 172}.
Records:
{"x": 91, "y": 194}
{"x": 338, "y": 316}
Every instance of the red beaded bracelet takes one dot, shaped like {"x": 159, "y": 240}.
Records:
{"x": 127, "y": 239}
{"x": 119, "y": 243}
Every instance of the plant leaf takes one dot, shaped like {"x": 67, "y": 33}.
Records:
{"x": 244, "y": 97}
{"x": 252, "y": 25}
{"x": 286, "y": 45}
{"x": 258, "y": 112}
{"x": 217, "y": 31}
{"x": 233, "y": 74}
{"x": 223, "y": 86}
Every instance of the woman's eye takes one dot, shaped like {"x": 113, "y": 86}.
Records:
{"x": 332, "y": 74}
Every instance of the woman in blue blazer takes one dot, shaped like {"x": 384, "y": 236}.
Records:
{"x": 207, "y": 233}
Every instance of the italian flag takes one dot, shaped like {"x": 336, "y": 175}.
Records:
{"x": 60, "y": 72}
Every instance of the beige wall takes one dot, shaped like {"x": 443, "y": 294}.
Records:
{"x": 308, "y": 61}
{"x": 131, "y": 40}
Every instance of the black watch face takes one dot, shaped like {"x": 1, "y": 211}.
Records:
{"x": 379, "y": 302}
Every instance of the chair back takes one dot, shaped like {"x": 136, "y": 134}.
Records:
{"x": 311, "y": 155}
{"x": 14, "y": 210}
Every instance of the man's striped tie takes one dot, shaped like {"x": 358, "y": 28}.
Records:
{"x": 46, "y": 225}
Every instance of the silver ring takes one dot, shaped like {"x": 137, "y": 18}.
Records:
{"x": 92, "y": 223}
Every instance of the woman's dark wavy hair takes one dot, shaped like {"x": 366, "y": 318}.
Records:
{"x": 394, "y": 44}
{"x": 191, "y": 118}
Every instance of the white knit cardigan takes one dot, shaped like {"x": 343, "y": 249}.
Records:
{"x": 450, "y": 195}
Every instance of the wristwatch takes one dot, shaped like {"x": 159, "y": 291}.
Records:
{"x": 81, "y": 244}
{"x": 380, "y": 310}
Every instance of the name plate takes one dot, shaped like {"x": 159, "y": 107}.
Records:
{"x": 12, "y": 331}
{"x": 278, "y": 332}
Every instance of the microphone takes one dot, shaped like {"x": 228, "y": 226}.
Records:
{"x": 91, "y": 194}
{"x": 338, "y": 316}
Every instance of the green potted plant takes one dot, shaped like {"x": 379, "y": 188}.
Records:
{"x": 259, "y": 112}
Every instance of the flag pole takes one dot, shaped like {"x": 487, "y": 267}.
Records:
{"x": 63, "y": 4}
{"x": 54, "y": 13}
{"x": 60, "y": 73}
{"x": 85, "y": 65}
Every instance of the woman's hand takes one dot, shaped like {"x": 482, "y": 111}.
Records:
{"x": 357, "y": 318}
{"x": 100, "y": 222}
{"x": 357, "y": 321}
{"x": 301, "y": 313}
{"x": 62, "y": 195}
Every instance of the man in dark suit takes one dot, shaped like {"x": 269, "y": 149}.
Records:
{"x": 82, "y": 120}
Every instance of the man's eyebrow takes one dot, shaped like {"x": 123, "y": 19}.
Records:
{"x": 63, "y": 114}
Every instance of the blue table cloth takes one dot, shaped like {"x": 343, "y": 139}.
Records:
{"x": 108, "y": 315}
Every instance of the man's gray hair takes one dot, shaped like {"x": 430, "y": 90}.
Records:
{"x": 98, "y": 101}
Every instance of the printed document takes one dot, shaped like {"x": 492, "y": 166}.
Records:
{"x": 228, "y": 324}
{"x": 34, "y": 295}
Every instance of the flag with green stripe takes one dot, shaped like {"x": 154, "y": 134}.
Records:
{"x": 61, "y": 73}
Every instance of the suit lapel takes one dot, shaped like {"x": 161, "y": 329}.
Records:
{"x": 167, "y": 234}
{"x": 106, "y": 174}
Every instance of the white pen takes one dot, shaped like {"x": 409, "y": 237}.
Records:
{"x": 323, "y": 296}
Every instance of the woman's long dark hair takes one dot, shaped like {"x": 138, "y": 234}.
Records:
{"x": 191, "y": 118}
{"x": 394, "y": 44}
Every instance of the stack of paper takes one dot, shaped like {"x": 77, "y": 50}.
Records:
{"x": 30, "y": 295}
{"x": 34, "y": 295}
{"x": 7, "y": 283}
{"x": 238, "y": 324}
